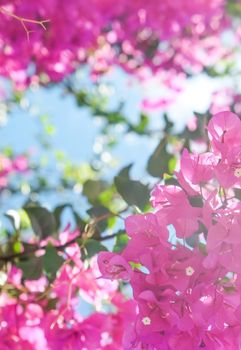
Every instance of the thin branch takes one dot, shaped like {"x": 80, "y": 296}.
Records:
{"x": 24, "y": 20}
{"x": 105, "y": 238}
{"x": 61, "y": 247}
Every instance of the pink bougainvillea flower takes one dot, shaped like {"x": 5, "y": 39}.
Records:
{"x": 197, "y": 168}
{"x": 114, "y": 266}
{"x": 188, "y": 290}
{"x": 145, "y": 225}
{"x": 222, "y": 130}
{"x": 170, "y": 201}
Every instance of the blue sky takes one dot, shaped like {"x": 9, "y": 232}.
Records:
{"x": 76, "y": 130}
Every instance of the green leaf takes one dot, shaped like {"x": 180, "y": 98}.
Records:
{"x": 115, "y": 117}
{"x": 158, "y": 163}
{"x": 8, "y": 152}
{"x": 125, "y": 172}
{"x": 17, "y": 247}
{"x": 32, "y": 267}
{"x": 168, "y": 124}
{"x": 98, "y": 212}
{"x": 135, "y": 265}
{"x": 78, "y": 174}
{"x": 199, "y": 132}
{"x": 81, "y": 98}
{"x": 196, "y": 201}
{"x": 120, "y": 242}
{"x": 141, "y": 127}
{"x": 237, "y": 193}
{"x": 25, "y": 221}
{"x": 52, "y": 304}
{"x": 92, "y": 189}
{"x": 80, "y": 223}
{"x": 50, "y": 129}
{"x": 51, "y": 261}
{"x": 91, "y": 248}
{"x": 234, "y": 8}
{"x": 58, "y": 211}
{"x": 106, "y": 197}
{"x": 172, "y": 164}
{"x": 132, "y": 191}
{"x": 42, "y": 221}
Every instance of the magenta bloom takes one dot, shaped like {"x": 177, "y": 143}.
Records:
{"x": 171, "y": 201}
{"x": 188, "y": 289}
{"x": 114, "y": 266}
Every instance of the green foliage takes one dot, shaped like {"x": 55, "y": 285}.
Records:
{"x": 58, "y": 211}
{"x": 101, "y": 214}
{"x": 132, "y": 191}
{"x": 142, "y": 127}
{"x": 78, "y": 173}
{"x": 91, "y": 248}
{"x": 234, "y": 8}
{"x": 31, "y": 266}
{"x": 199, "y": 133}
{"x": 52, "y": 261}
{"x": 93, "y": 188}
{"x": 121, "y": 241}
{"x": 43, "y": 221}
{"x": 160, "y": 161}
{"x": 17, "y": 247}
{"x": 237, "y": 192}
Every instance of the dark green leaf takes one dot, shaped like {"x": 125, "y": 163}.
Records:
{"x": 42, "y": 221}
{"x": 171, "y": 181}
{"x": 32, "y": 267}
{"x": 132, "y": 191}
{"x": 79, "y": 221}
{"x": 92, "y": 189}
{"x": 196, "y": 201}
{"x": 125, "y": 172}
{"x": 52, "y": 304}
{"x": 193, "y": 240}
{"x": 168, "y": 124}
{"x": 52, "y": 261}
{"x": 58, "y": 211}
{"x": 91, "y": 248}
{"x": 99, "y": 212}
{"x": 141, "y": 127}
{"x": 199, "y": 132}
{"x": 120, "y": 242}
{"x": 237, "y": 192}
{"x": 158, "y": 163}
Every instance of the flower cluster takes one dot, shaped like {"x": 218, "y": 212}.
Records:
{"x": 183, "y": 260}
{"x": 173, "y": 36}
{"x": 76, "y": 311}
{"x": 10, "y": 166}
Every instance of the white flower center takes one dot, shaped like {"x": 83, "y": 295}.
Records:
{"x": 189, "y": 271}
{"x": 146, "y": 321}
{"x": 237, "y": 172}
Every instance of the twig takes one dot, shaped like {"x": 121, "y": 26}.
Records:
{"x": 24, "y": 20}
{"x": 34, "y": 248}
